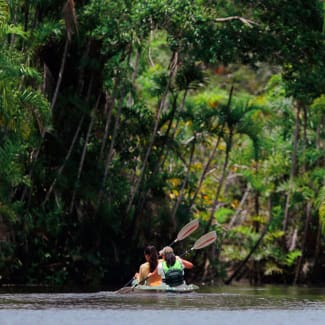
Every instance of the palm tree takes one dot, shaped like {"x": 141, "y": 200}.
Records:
{"x": 237, "y": 119}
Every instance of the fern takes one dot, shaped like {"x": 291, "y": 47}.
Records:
{"x": 292, "y": 256}
{"x": 272, "y": 268}
{"x": 12, "y": 171}
{"x": 3, "y": 12}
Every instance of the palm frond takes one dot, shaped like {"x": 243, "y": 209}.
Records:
{"x": 4, "y": 13}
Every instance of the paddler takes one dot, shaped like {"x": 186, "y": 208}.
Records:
{"x": 148, "y": 271}
{"x": 171, "y": 267}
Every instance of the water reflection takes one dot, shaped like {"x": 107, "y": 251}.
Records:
{"x": 218, "y": 305}
{"x": 209, "y": 298}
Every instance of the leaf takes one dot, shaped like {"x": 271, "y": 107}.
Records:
{"x": 292, "y": 256}
{"x": 320, "y": 203}
{"x": 4, "y": 14}
{"x": 222, "y": 214}
{"x": 272, "y": 268}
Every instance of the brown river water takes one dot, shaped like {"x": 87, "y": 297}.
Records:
{"x": 210, "y": 305}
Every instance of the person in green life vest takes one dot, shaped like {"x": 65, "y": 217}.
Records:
{"x": 171, "y": 267}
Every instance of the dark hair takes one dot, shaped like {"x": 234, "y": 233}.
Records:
{"x": 153, "y": 256}
{"x": 170, "y": 258}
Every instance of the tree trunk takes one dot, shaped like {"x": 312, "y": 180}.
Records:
{"x": 240, "y": 207}
{"x": 305, "y": 126}
{"x": 293, "y": 168}
{"x": 67, "y": 157}
{"x": 134, "y": 75}
{"x": 135, "y": 188}
{"x": 243, "y": 263}
{"x": 221, "y": 181}
{"x": 317, "y": 246}
{"x": 26, "y": 15}
{"x": 108, "y": 110}
{"x": 225, "y": 165}
{"x": 162, "y": 148}
{"x": 212, "y": 154}
{"x": 110, "y": 151}
{"x": 58, "y": 83}
{"x": 185, "y": 181}
{"x": 303, "y": 245}
{"x": 81, "y": 77}
{"x": 84, "y": 151}
{"x": 204, "y": 172}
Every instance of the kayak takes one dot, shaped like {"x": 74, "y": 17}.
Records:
{"x": 183, "y": 288}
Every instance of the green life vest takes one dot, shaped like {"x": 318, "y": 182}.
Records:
{"x": 174, "y": 275}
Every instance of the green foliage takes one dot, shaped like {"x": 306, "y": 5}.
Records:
{"x": 292, "y": 256}
{"x": 222, "y": 215}
{"x": 321, "y": 208}
{"x": 145, "y": 92}
{"x": 3, "y": 12}
{"x": 12, "y": 173}
{"x": 272, "y": 268}
{"x": 318, "y": 105}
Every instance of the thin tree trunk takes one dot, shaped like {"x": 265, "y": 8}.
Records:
{"x": 221, "y": 182}
{"x": 14, "y": 20}
{"x": 162, "y": 149}
{"x": 67, "y": 157}
{"x": 317, "y": 246}
{"x": 108, "y": 110}
{"x": 185, "y": 181}
{"x": 58, "y": 84}
{"x": 257, "y": 200}
{"x": 84, "y": 151}
{"x": 26, "y": 15}
{"x": 215, "y": 204}
{"x": 293, "y": 169}
{"x": 110, "y": 151}
{"x": 305, "y": 122}
{"x": 240, "y": 206}
{"x": 135, "y": 188}
{"x": 75, "y": 137}
{"x": 150, "y": 41}
{"x": 172, "y": 136}
{"x": 81, "y": 78}
{"x": 207, "y": 166}
{"x": 243, "y": 263}
{"x": 204, "y": 172}
{"x": 134, "y": 75}
{"x": 293, "y": 240}
{"x": 303, "y": 245}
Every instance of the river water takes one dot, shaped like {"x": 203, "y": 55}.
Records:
{"x": 212, "y": 305}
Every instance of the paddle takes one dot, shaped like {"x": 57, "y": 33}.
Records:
{"x": 202, "y": 242}
{"x": 186, "y": 231}
{"x": 182, "y": 234}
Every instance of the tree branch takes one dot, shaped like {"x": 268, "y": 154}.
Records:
{"x": 245, "y": 21}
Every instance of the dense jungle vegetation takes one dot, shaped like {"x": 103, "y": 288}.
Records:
{"x": 121, "y": 121}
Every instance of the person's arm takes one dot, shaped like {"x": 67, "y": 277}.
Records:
{"x": 143, "y": 273}
{"x": 155, "y": 272}
{"x": 187, "y": 264}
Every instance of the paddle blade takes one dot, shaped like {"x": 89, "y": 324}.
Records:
{"x": 205, "y": 240}
{"x": 187, "y": 229}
